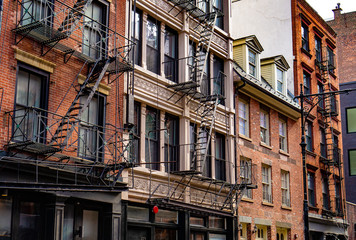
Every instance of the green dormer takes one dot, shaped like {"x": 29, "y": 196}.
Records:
{"x": 274, "y": 71}
{"x": 247, "y": 52}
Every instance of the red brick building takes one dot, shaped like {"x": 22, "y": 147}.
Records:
{"x": 267, "y": 123}
{"x": 314, "y": 47}
{"x": 63, "y": 65}
{"x": 345, "y": 26}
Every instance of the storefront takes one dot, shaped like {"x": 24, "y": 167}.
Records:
{"x": 171, "y": 223}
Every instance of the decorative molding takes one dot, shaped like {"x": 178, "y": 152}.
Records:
{"x": 33, "y": 60}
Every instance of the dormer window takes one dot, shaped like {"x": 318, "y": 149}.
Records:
{"x": 280, "y": 80}
{"x": 252, "y": 63}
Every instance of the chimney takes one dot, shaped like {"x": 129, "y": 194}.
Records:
{"x": 337, "y": 11}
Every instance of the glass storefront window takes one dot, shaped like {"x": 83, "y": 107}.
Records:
{"x": 5, "y": 220}
{"x": 197, "y": 221}
{"x": 216, "y": 222}
{"x": 138, "y": 213}
{"x": 213, "y": 236}
{"x": 164, "y": 216}
{"x": 165, "y": 234}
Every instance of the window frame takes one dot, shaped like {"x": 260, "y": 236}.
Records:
{"x": 283, "y": 139}
{"x": 139, "y": 32}
{"x": 220, "y": 159}
{"x": 323, "y": 146}
{"x": 252, "y": 64}
{"x": 280, "y": 82}
{"x": 331, "y": 59}
{"x": 305, "y": 36}
{"x": 306, "y": 82}
{"x": 309, "y": 135}
{"x": 325, "y": 192}
{"x": 311, "y": 189}
{"x": 318, "y": 49}
{"x": 135, "y": 149}
{"x": 246, "y": 162}
{"x": 348, "y": 120}
{"x": 265, "y": 130}
{"x": 155, "y": 162}
{"x": 267, "y": 184}
{"x": 173, "y": 143}
{"x": 246, "y": 120}
{"x": 157, "y": 50}
{"x": 285, "y": 189}
{"x": 171, "y": 62}
{"x": 351, "y": 173}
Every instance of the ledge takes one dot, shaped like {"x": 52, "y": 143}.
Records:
{"x": 33, "y": 60}
{"x": 265, "y": 145}
{"x": 250, "y": 200}
{"x": 267, "y": 204}
{"x": 286, "y": 208}
{"x": 245, "y": 138}
{"x": 284, "y": 153}
{"x": 306, "y": 53}
{"x": 310, "y": 153}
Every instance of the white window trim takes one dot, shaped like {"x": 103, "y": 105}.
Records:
{"x": 247, "y": 120}
{"x": 257, "y": 63}
{"x": 267, "y": 183}
{"x": 284, "y": 88}
{"x": 266, "y": 128}
{"x": 285, "y": 178}
{"x": 285, "y": 136}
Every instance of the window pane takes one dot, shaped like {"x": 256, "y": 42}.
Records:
{"x": 351, "y": 120}
{"x": 165, "y": 216}
{"x": 216, "y": 222}
{"x": 164, "y": 234}
{"x": 352, "y": 162}
{"x": 29, "y": 222}
{"x": 138, "y": 213}
{"x": 5, "y": 220}
{"x": 22, "y": 87}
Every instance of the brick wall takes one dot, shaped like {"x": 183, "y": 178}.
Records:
{"x": 351, "y": 217}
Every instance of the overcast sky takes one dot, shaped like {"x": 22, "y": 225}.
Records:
{"x": 325, "y": 7}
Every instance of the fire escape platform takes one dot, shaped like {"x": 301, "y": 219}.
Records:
{"x": 191, "y": 7}
{"x": 182, "y": 206}
{"x": 32, "y": 147}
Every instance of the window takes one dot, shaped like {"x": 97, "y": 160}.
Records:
{"x": 152, "y": 138}
{"x": 264, "y": 126}
{"x": 325, "y": 192}
{"x": 0, "y": 13}
{"x": 323, "y": 149}
{"x": 243, "y": 231}
{"x": 352, "y": 162}
{"x": 5, "y": 222}
{"x": 285, "y": 188}
{"x": 266, "y": 184}
{"x": 136, "y": 23}
{"x": 191, "y": 61}
{"x": 244, "y": 118}
{"x": 192, "y": 148}
{"x": 311, "y": 189}
{"x": 135, "y": 148}
{"x": 219, "y": 76}
{"x": 203, "y": 138}
{"x": 31, "y": 91}
{"x": 171, "y": 143}
{"x": 205, "y": 81}
{"x": 203, "y": 5}
{"x": 94, "y": 36}
{"x": 309, "y": 135}
{"x": 318, "y": 56}
{"x": 171, "y": 54}
{"x": 246, "y": 175}
{"x": 252, "y": 63}
{"x": 280, "y": 81}
{"x": 90, "y": 142}
{"x": 336, "y": 151}
{"x": 321, "y": 97}
{"x": 305, "y": 37}
{"x": 282, "y": 135}
{"x": 351, "y": 120}
{"x": 306, "y": 83}
{"x": 153, "y": 45}
{"x": 33, "y": 10}
{"x": 331, "y": 60}
{"x": 218, "y": 4}
{"x": 220, "y": 165}
{"x": 338, "y": 200}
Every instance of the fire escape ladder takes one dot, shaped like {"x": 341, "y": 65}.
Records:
{"x": 74, "y": 15}
{"x": 76, "y": 108}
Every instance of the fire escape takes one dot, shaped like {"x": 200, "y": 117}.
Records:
{"x": 217, "y": 195}
{"x": 328, "y": 110}
{"x": 63, "y": 151}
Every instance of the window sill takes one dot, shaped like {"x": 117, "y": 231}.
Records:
{"x": 245, "y": 199}
{"x": 313, "y": 208}
{"x": 286, "y": 208}
{"x": 267, "y": 204}
{"x": 310, "y": 153}
{"x": 245, "y": 138}
{"x": 265, "y": 145}
{"x": 284, "y": 153}
{"x": 306, "y": 52}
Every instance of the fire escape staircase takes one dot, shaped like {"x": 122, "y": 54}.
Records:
{"x": 47, "y": 144}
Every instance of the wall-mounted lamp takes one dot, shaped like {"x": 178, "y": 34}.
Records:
{"x": 296, "y": 236}
{"x": 4, "y": 193}
{"x": 254, "y": 229}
